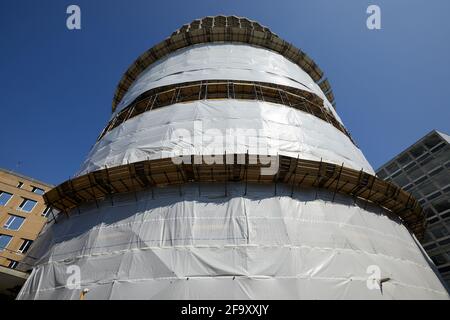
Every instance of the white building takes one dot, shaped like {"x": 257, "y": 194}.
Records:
{"x": 273, "y": 200}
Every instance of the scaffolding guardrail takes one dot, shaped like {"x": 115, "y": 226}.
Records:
{"x": 226, "y": 89}
{"x": 298, "y": 173}
{"x": 222, "y": 29}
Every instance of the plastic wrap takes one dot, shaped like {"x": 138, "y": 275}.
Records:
{"x": 223, "y": 61}
{"x": 210, "y": 123}
{"x": 217, "y": 241}
{"x": 201, "y": 244}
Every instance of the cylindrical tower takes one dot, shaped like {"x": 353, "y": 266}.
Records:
{"x": 226, "y": 173}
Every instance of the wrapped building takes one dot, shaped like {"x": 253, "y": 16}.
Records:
{"x": 225, "y": 173}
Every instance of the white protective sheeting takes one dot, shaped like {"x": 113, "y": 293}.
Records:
{"x": 201, "y": 244}
{"x": 280, "y": 130}
{"x": 224, "y": 61}
{"x": 195, "y": 241}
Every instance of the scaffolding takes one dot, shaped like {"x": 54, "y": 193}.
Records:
{"x": 226, "y": 89}
{"x": 220, "y": 29}
{"x": 297, "y": 173}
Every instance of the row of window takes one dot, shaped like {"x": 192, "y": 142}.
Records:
{"x": 409, "y": 163}
{"x": 437, "y": 219}
{"x": 437, "y": 207}
{"x": 5, "y": 239}
{"x": 12, "y": 264}
{"x": 15, "y": 222}
{"x": 436, "y": 170}
{"x": 26, "y": 205}
{"x": 439, "y": 176}
{"x": 34, "y": 189}
{"x": 428, "y": 179}
{"x": 439, "y": 231}
{"x": 4, "y": 197}
{"x": 437, "y": 245}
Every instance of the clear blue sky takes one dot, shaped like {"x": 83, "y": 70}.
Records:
{"x": 391, "y": 85}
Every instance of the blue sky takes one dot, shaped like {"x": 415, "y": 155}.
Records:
{"x": 391, "y": 85}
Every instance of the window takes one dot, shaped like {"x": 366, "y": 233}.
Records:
{"x": 427, "y": 237}
{"x": 442, "y": 178}
{"x": 38, "y": 190}
{"x": 430, "y": 246}
{"x": 427, "y": 187}
{"x": 427, "y": 162}
{"x": 423, "y": 157}
{"x": 434, "y": 196}
{"x": 435, "y": 150}
{"x": 404, "y": 159}
{"x": 395, "y": 175}
{"x": 433, "y": 220}
{"x": 444, "y": 269}
{"x": 46, "y": 212}
{"x": 428, "y": 212}
{"x": 392, "y": 168}
{"x": 381, "y": 174}
{"x": 13, "y": 264}
{"x": 20, "y": 184}
{"x": 436, "y": 171}
{"x": 445, "y": 215}
{"x": 401, "y": 179}
{"x": 438, "y": 259}
{"x": 432, "y": 141}
{"x": 409, "y": 166}
{"x": 439, "y": 232}
{"x": 414, "y": 172}
{"x": 441, "y": 154}
{"x": 416, "y": 151}
{"x": 441, "y": 205}
{"x": 444, "y": 242}
{"x": 4, "y": 241}
{"x": 409, "y": 186}
{"x": 27, "y": 205}
{"x": 4, "y": 197}
{"x": 420, "y": 180}
{"x": 14, "y": 222}
{"x": 25, "y": 245}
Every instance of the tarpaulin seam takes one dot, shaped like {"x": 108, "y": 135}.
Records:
{"x": 187, "y": 247}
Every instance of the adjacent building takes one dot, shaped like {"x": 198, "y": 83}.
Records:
{"x": 23, "y": 214}
{"x": 423, "y": 169}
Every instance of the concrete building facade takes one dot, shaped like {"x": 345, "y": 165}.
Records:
{"x": 423, "y": 169}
